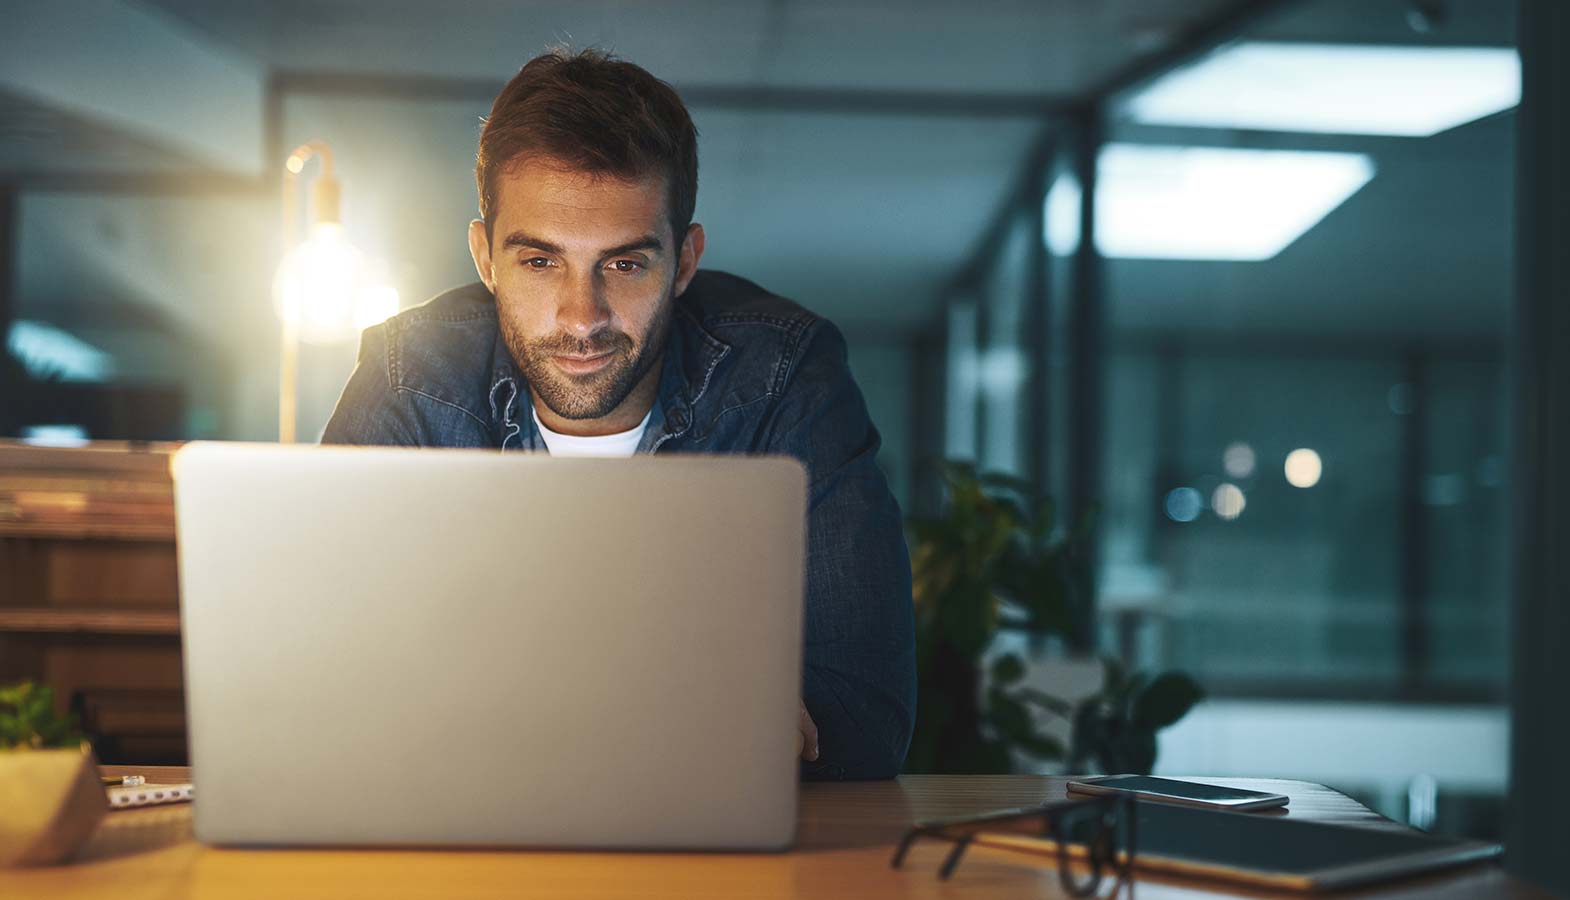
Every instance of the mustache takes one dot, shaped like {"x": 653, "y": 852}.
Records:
{"x": 605, "y": 341}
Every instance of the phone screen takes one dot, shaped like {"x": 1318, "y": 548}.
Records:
{"x": 1176, "y": 788}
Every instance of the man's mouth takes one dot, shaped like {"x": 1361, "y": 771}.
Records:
{"x": 583, "y": 365}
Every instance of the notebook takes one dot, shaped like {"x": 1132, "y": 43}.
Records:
{"x": 1275, "y": 851}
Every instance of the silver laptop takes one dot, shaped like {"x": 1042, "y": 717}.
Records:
{"x": 460, "y": 647}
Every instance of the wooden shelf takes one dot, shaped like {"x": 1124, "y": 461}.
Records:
{"x": 89, "y": 590}
{"x": 98, "y": 458}
{"x": 78, "y": 531}
{"x": 100, "y": 492}
{"x": 91, "y": 621}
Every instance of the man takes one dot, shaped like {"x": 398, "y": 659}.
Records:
{"x": 593, "y": 332}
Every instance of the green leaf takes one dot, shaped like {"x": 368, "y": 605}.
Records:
{"x": 12, "y": 696}
{"x": 1037, "y": 588}
{"x": 933, "y": 577}
{"x": 1055, "y": 705}
{"x": 28, "y": 720}
{"x": 928, "y": 531}
{"x": 36, "y": 709}
{"x": 1089, "y": 734}
{"x": 1009, "y": 510}
{"x": 992, "y": 550}
{"x": 1132, "y": 753}
{"x": 958, "y": 471}
{"x": 1046, "y": 518}
{"x": 1007, "y": 669}
{"x": 1008, "y": 716}
{"x": 1129, "y": 692}
{"x": 1041, "y": 746}
{"x": 1168, "y": 698}
{"x": 1112, "y": 677}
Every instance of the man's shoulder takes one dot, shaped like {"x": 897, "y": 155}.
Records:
{"x": 444, "y": 346}
{"x": 721, "y": 301}
{"x": 469, "y": 303}
{"x": 766, "y": 336}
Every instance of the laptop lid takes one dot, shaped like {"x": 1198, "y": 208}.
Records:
{"x": 456, "y": 647}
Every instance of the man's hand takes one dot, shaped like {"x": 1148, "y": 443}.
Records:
{"x": 806, "y": 736}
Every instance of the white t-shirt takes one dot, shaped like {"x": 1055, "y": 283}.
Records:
{"x": 621, "y": 444}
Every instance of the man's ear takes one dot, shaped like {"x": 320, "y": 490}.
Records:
{"x": 480, "y": 249}
{"x": 691, "y": 252}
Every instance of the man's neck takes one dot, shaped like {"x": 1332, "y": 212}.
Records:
{"x": 624, "y": 417}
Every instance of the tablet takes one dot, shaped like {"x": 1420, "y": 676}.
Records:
{"x": 1276, "y": 851}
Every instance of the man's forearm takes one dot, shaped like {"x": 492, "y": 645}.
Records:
{"x": 863, "y": 732}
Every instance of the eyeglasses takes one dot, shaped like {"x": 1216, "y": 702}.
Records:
{"x": 1098, "y": 829}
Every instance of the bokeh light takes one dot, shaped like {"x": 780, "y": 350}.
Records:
{"x": 1303, "y": 468}
{"x": 1228, "y": 501}
{"x": 1239, "y": 460}
{"x": 330, "y": 289}
{"x": 1184, "y": 504}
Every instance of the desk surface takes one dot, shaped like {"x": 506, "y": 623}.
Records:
{"x": 846, "y": 837}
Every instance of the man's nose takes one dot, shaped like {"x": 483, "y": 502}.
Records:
{"x": 581, "y": 310}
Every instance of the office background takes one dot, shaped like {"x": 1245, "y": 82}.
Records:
{"x": 1281, "y": 369}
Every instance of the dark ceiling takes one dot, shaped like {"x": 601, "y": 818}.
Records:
{"x": 860, "y": 215}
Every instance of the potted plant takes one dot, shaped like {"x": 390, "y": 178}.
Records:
{"x": 49, "y": 785}
{"x": 993, "y": 562}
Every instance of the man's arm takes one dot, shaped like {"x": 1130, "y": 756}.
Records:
{"x": 859, "y": 679}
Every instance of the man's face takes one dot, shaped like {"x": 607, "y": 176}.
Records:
{"x": 585, "y": 271}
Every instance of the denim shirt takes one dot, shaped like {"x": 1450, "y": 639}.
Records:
{"x": 744, "y": 372}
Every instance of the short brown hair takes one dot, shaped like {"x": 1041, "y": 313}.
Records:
{"x": 598, "y": 114}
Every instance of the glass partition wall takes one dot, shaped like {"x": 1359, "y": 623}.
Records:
{"x": 1265, "y": 340}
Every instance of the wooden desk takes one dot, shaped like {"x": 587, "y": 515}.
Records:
{"x": 846, "y": 838}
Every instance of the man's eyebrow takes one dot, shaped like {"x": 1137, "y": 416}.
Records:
{"x": 647, "y": 242}
{"x": 520, "y": 239}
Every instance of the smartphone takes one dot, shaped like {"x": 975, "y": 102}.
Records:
{"x": 1187, "y": 793}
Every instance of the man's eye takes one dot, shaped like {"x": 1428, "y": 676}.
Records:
{"x": 626, "y": 265}
{"x": 537, "y": 262}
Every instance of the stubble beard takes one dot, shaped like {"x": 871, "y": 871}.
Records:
{"x": 597, "y": 394}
